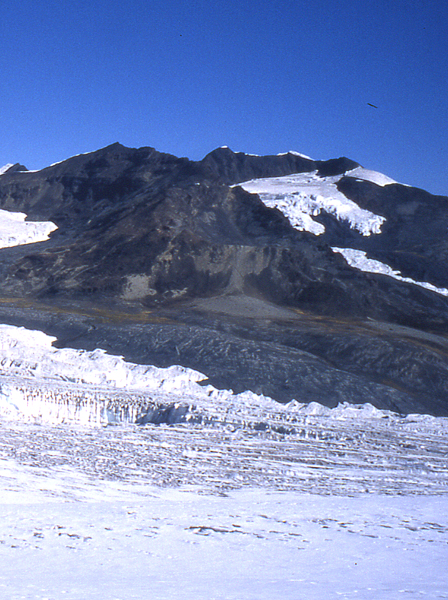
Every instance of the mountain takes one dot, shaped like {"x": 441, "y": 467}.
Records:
{"x": 169, "y": 261}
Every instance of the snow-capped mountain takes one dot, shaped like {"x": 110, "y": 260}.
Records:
{"x": 319, "y": 281}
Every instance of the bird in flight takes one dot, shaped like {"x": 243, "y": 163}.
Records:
{"x": 372, "y": 105}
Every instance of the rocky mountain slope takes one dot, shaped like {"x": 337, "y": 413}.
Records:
{"x": 169, "y": 261}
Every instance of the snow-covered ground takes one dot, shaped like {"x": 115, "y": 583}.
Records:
{"x": 130, "y": 540}
{"x": 259, "y": 502}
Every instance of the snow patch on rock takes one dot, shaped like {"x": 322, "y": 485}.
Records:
{"x": 372, "y": 176}
{"x": 302, "y": 196}
{"x": 5, "y": 168}
{"x": 358, "y": 260}
{"x": 294, "y": 153}
{"x": 15, "y": 231}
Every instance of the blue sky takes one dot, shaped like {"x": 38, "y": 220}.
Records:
{"x": 261, "y": 77}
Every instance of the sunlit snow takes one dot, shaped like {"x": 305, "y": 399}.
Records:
{"x": 15, "y": 231}
{"x": 302, "y": 196}
{"x": 5, "y": 168}
{"x": 358, "y": 259}
{"x": 368, "y": 175}
{"x": 294, "y": 153}
{"x": 67, "y": 534}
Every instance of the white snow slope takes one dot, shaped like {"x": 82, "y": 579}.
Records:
{"x": 5, "y": 168}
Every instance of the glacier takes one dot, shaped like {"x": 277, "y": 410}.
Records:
{"x": 303, "y": 195}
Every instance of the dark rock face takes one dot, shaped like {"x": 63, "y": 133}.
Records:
{"x": 232, "y": 289}
{"x": 235, "y": 167}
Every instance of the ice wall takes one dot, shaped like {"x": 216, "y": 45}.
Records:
{"x": 39, "y": 382}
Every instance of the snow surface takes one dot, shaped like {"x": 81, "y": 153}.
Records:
{"x": 295, "y": 154}
{"x": 15, "y": 231}
{"x": 5, "y": 168}
{"x": 124, "y": 540}
{"x": 358, "y": 259}
{"x": 302, "y": 196}
{"x": 368, "y": 175}
{"x": 316, "y": 503}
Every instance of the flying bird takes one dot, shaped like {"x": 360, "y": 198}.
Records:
{"x": 372, "y": 105}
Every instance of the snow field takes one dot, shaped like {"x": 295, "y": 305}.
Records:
{"x": 66, "y": 532}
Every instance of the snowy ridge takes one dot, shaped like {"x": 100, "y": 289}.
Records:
{"x": 358, "y": 260}
{"x": 372, "y": 176}
{"x": 5, "y": 168}
{"x": 294, "y": 153}
{"x": 302, "y": 196}
{"x": 237, "y": 151}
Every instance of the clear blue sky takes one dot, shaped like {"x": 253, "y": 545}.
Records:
{"x": 259, "y": 76}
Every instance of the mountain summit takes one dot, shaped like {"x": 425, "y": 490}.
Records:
{"x": 314, "y": 280}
